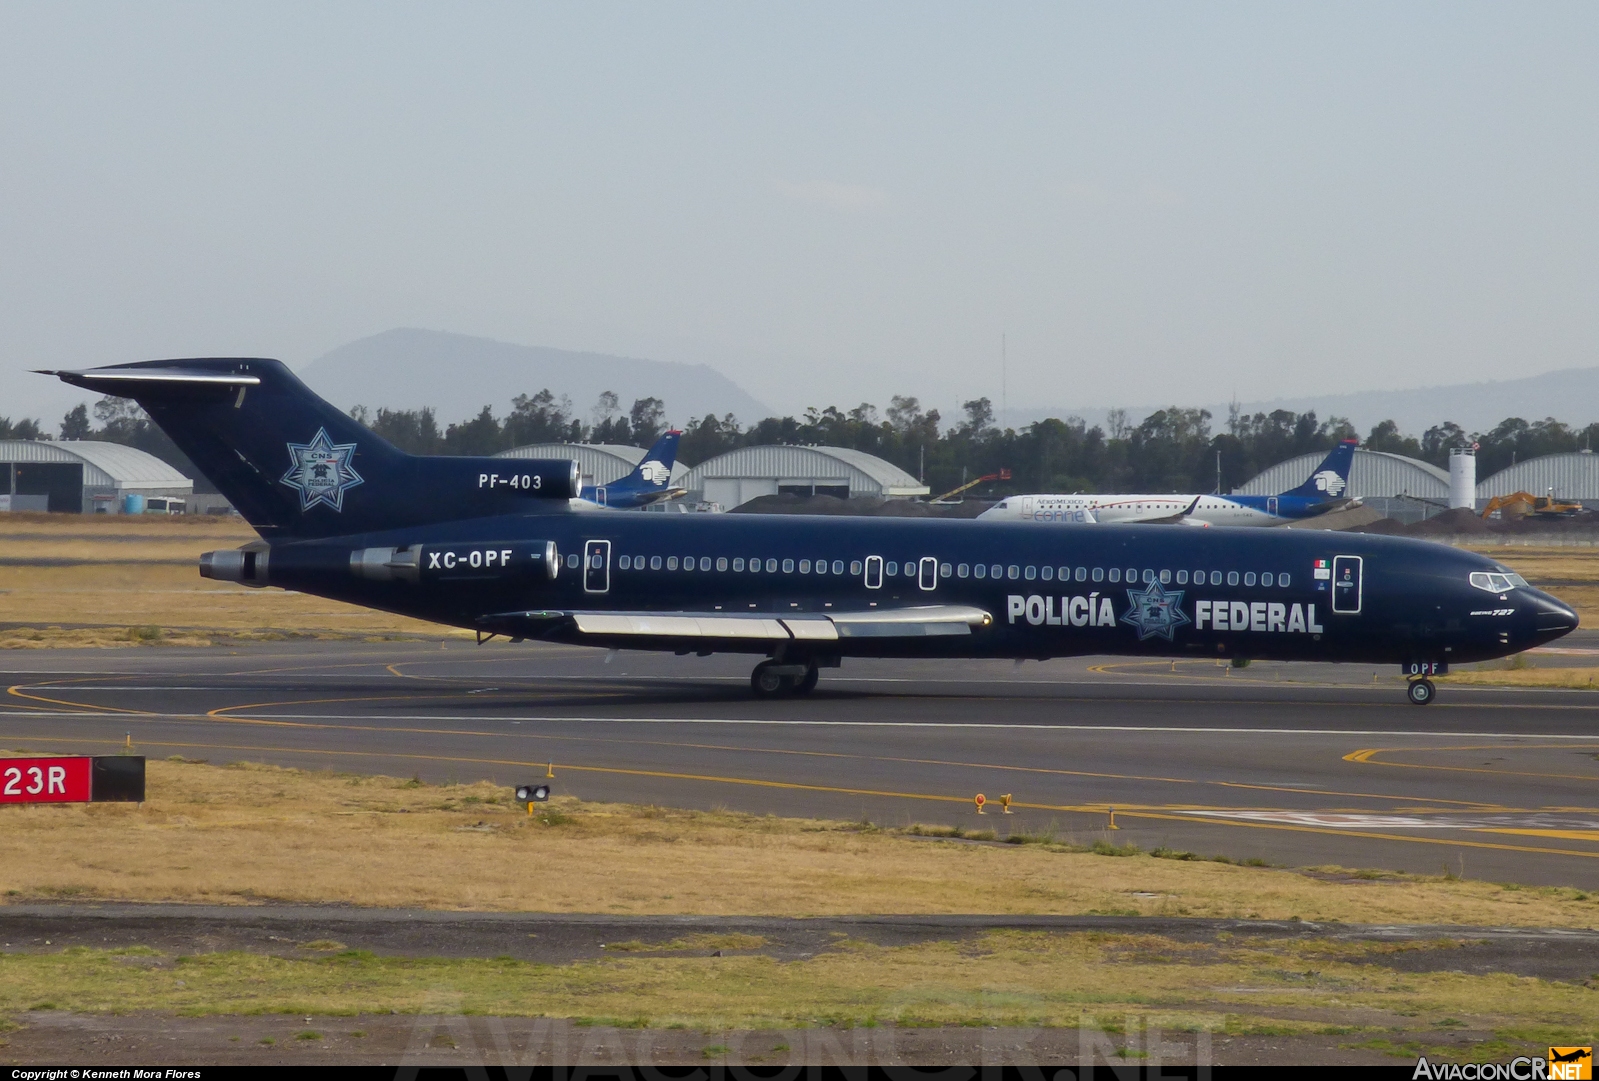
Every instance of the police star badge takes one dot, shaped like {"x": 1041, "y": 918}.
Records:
{"x": 321, "y": 471}
{"x": 1155, "y": 612}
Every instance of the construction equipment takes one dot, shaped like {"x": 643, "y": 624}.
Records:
{"x": 1524, "y": 504}
{"x": 1003, "y": 474}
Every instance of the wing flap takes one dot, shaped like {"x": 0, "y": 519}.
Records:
{"x": 646, "y": 627}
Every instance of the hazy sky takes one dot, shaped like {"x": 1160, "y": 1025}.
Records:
{"x": 829, "y": 203}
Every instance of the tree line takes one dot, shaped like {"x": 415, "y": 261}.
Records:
{"x": 1172, "y": 449}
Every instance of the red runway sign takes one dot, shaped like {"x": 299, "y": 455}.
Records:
{"x": 45, "y": 780}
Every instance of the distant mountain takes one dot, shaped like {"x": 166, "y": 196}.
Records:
{"x": 1571, "y": 395}
{"x": 458, "y": 375}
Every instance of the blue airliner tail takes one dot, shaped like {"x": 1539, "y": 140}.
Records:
{"x": 1329, "y": 480}
{"x": 296, "y": 467}
{"x": 650, "y": 480}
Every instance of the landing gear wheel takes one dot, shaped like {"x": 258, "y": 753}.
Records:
{"x": 807, "y": 683}
{"x": 1421, "y": 691}
{"x": 768, "y": 684}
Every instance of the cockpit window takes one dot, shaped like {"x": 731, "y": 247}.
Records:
{"x": 1496, "y": 583}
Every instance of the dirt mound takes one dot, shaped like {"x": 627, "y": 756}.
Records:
{"x": 1460, "y": 520}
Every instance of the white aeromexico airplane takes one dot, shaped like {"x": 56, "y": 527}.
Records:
{"x": 1322, "y": 492}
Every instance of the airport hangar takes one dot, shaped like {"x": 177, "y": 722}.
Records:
{"x": 87, "y": 477}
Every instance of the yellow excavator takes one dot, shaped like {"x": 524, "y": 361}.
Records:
{"x": 1524, "y": 504}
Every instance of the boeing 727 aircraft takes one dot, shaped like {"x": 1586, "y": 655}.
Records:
{"x": 1322, "y": 492}
{"x": 490, "y": 544}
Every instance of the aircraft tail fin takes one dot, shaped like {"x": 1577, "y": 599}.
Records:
{"x": 1330, "y": 479}
{"x": 295, "y": 466}
{"x": 654, "y": 471}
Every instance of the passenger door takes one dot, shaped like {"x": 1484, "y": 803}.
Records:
{"x": 927, "y": 573}
{"x": 597, "y": 566}
{"x": 874, "y": 572}
{"x": 1346, "y": 584}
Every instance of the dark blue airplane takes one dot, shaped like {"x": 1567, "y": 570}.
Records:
{"x": 490, "y": 545}
{"x": 650, "y": 481}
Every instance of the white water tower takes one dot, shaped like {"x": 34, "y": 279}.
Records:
{"x": 1463, "y": 478}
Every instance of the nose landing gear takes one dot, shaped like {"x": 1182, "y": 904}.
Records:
{"x": 1421, "y": 691}
{"x": 773, "y": 680}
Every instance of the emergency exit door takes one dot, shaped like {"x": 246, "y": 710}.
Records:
{"x": 1346, "y": 584}
{"x": 597, "y": 566}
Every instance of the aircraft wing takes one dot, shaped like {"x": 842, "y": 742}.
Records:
{"x": 653, "y": 630}
{"x": 1171, "y": 519}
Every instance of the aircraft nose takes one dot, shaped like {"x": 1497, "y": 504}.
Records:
{"x": 1551, "y": 618}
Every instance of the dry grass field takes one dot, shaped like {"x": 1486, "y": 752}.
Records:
{"x": 140, "y": 584}
{"x": 254, "y": 834}
{"x": 246, "y": 834}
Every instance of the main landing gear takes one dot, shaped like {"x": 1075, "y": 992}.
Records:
{"x": 773, "y": 680}
{"x": 1421, "y": 691}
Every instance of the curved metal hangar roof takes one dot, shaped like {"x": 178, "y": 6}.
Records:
{"x": 105, "y": 465}
{"x": 740, "y": 475}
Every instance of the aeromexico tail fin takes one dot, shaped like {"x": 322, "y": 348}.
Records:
{"x": 1330, "y": 479}
{"x": 655, "y": 470}
{"x": 295, "y": 466}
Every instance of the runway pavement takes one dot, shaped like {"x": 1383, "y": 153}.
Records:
{"x": 1290, "y": 763}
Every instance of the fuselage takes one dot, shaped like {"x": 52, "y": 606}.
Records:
{"x": 1312, "y": 595}
{"x": 1131, "y": 508}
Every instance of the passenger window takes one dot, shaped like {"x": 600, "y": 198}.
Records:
{"x": 943, "y": 570}
{"x": 1282, "y": 580}
{"x": 821, "y": 566}
{"x": 1265, "y": 579}
{"x": 891, "y": 568}
{"x": 1149, "y": 575}
{"x": 1215, "y": 578}
{"x": 838, "y": 566}
{"x": 1165, "y": 578}
{"x": 981, "y": 570}
{"x": 1232, "y": 578}
{"x": 1182, "y": 578}
{"x": 855, "y": 566}
{"x": 962, "y": 571}
{"x": 624, "y": 563}
{"x": 738, "y": 564}
{"x": 805, "y": 566}
{"x": 1132, "y": 574}
{"x": 1249, "y": 578}
{"x": 1115, "y": 574}
{"x": 1047, "y": 574}
{"x": 996, "y": 571}
{"x": 1082, "y": 574}
{"x": 1199, "y": 578}
{"x": 655, "y": 563}
{"x": 788, "y": 566}
{"x": 572, "y": 561}
{"x": 1030, "y": 573}
{"x": 771, "y": 566}
{"x": 721, "y": 563}
{"x": 705, "y": 563}
{"x": 1013, "y": 571}
{"x": 671, "y": 563}
{"x": 1099, "y": 574}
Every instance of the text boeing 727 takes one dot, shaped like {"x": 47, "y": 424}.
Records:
{"x": 489, "y": 544}
{"x": 1323, "y": 491}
